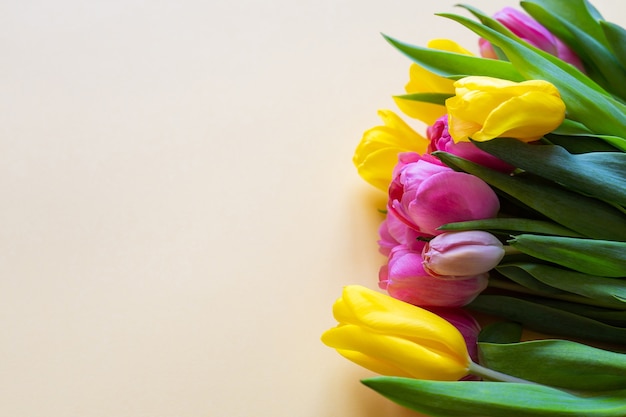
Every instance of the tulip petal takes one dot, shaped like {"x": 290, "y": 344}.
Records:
{"x": 381, "y": 313}
{"x": 416, "y": 360}
{"x": 511, "y": 118}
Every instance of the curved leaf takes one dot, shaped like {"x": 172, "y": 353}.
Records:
{"x": 547, "y": 319}
{"x": 597, "y": 174}
{"x": 453, "y": 65}
{"x": 494, "y": 399}
{"x": 568, "y": 365}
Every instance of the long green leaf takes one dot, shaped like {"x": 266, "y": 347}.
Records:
{"x": 616, "y": 37}
{"x": 494, "y": 399}
{"x": 610, "y": 291}
{"x": 568, "y": 365}
{"x": 453, "y": 65}
{"x": 597, "y": 174}
{"x": 602, "y": 65}
{"x": 595, "y": 257}
{"x": 511, "y": 225}
{"x": 578, "y": 12}
{"x": 547, "y": 319}
{"x": 555, "y": 202}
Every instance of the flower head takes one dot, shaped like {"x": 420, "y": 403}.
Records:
{"x": 485, "y": 108}
{"x": 405, "y": 278}
{"x": 425, "y": 194}
{"x": 377, "y": 153}
{"x": 394, "y": 338}
{"x": 461, "y": 254}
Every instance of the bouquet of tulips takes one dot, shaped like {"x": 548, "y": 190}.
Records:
{"x": 512, "y": 207}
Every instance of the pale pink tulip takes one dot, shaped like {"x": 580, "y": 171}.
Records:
{"x": 460, "y": 254}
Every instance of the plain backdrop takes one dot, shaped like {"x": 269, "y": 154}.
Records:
{"x": 178, "y": 203}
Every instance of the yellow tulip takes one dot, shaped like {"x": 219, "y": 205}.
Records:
{"x": 423, "y": 81}
{"x": 377, "y": 153}
{"x": 485, "y": 108}
{"x": 394, "y": 338}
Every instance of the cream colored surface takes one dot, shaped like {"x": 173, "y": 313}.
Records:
{"x": 179, "y": 208}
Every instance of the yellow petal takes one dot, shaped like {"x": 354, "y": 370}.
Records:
{"x": 413, "y": 359}
{"x": 448, "y": 45}
{"x": 381, "y": 313}
{"x": 527, "y": 118}
{"x": 377, "y": 153}
{"x": 424, "y": 112}
{"x": 423, "y": 81}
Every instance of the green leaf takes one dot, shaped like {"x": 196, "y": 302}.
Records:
{"x": 577, "y": 129}
{"x": 610, "y": 291}
{"x": 494, "y": 399}
{"x": 612, "y": 317}
{"x": 501, "y": 332}
{"x": 553, "y": 201}
{"x": 579, "y": 144}
{"x": 433, "y": 98}
{"x": 586, "y": 102}
{"x": 595, "y": 257}
{"x": 616, "y": 37}
{"x": 602, "y": 66}
{"x": 509, "y": 224}
{"x": 578, "y": 12}
{"x": 518, "y": 275}
{"x": 547, "y": 319}
{"x": 597, "y": 174}
{"x": 453, "y": 65}
{"x": 567, "y": 364}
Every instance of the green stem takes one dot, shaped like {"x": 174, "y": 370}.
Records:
{"x": 491, "y": 375}
{"x": 510, "y": 250}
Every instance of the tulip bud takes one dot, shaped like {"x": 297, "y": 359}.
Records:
{"x": 460, "y": 254}
{"x": 485, "y": 108}
{"x": 394, "y": 338}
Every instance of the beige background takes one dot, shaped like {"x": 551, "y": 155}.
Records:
{"x": 179, "y": 208}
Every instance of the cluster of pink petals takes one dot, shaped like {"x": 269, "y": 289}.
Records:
{"x": 425, "y": 195}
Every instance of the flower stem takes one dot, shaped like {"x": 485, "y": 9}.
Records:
{"x": 490, "y": 374}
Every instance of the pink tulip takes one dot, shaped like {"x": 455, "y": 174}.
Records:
{"x": 460, "y": 254}
{"x": 404, "y": 278}
{"x": 426, "y": 195}
{"x": 529, "y": 30}
{"x": 440, "y": 140}
{"x": 394, "y": 232}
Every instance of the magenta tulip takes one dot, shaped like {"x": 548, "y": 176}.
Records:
{"x": 405, "y": 279}
{"x": 426, "y": 195}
